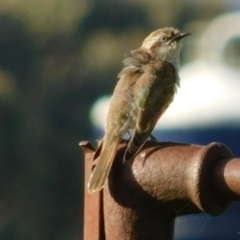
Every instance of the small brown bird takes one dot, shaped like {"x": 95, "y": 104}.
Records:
{"x": 145, "y": 89}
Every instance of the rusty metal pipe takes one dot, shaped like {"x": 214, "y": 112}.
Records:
{"x": 165, "y": 180}
{"x": 226, "y": 179}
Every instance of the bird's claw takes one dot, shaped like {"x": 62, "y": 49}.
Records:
{"x": 152, "y": 138}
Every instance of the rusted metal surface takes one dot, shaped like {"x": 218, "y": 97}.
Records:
{"x": 226, "y": 179}
{"x": 93, "y": 205}
{"x": 143, "y": 196}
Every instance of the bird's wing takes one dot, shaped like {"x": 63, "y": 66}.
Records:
{"x": 154, "y": 91}
{"x": 118, "y": 122}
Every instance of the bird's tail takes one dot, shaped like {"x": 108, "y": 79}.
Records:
{"x": 104, "y": 163}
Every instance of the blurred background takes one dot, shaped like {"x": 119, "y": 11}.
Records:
{"x": 58, "y": 59}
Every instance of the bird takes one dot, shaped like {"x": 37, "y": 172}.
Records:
{"x": 146, "y": 87}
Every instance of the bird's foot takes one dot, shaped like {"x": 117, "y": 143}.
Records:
{"x": 152, "y": 138}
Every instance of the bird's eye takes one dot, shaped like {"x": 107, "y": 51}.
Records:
{"x": 163, "y": 39}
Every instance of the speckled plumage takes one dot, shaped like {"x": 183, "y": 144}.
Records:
{"x": 145, "y": 89}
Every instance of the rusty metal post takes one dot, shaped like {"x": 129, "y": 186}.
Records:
{"x": 93, "y": 204}
{"x": 165, "y": 180}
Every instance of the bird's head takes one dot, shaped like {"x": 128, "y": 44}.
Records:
{"x": 165, "y": 44}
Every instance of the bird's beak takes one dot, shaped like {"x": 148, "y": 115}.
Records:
{"x": 180, "y": 36}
